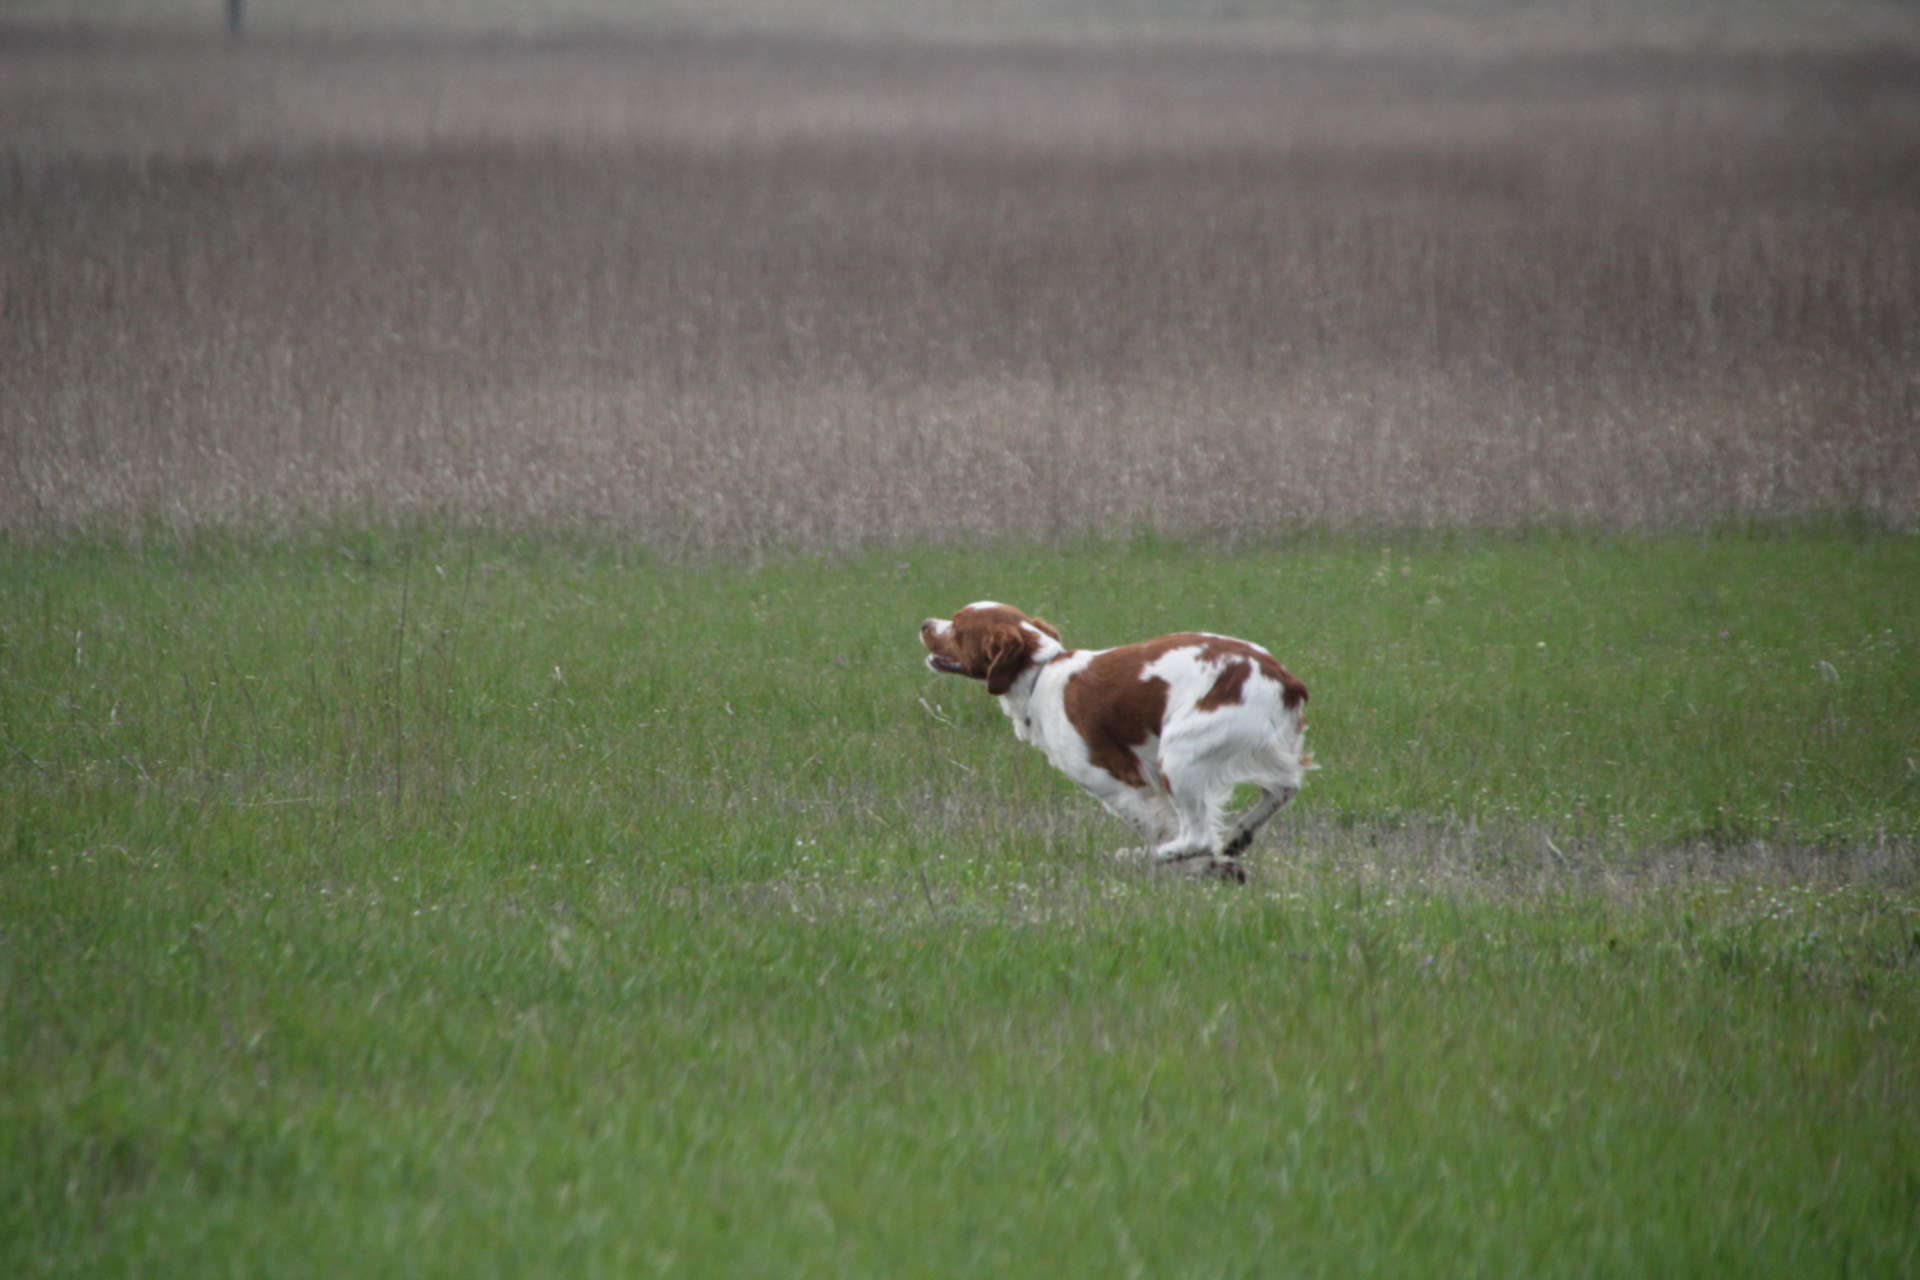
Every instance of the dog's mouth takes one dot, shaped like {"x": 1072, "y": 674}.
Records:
{"x": 942, "y": 663}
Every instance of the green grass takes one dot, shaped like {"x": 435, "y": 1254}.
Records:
{"x": 408, "y": 903}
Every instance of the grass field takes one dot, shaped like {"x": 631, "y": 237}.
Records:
{"x": 402, "y": 903}
{"x": 736, "y": 294}
{"x": 470, "y": 802}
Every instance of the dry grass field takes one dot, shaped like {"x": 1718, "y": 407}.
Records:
{"x": 731, "y": 293}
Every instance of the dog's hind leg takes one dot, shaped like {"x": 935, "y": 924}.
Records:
{"x": 1195, "y": 846}
{"x": 1196, "y": 832}
{"x": 1272, "y": 800}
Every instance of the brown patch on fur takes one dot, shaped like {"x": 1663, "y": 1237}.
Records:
{"x": 1227, "y": 686}
{"x": 1226, "y": 689}
{"x": 1114, "y": 710}
{"x": 1293, "y": 691}
{"x": 1241, "y": 659}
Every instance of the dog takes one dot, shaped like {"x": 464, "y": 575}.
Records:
{"x": 1160, "y": 731}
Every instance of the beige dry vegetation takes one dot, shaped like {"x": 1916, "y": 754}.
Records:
{"x": 734, "y": 293}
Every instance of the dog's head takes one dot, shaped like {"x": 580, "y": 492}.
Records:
{"x": 988, "y": 641}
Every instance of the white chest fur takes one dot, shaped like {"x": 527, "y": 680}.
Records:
{"x": 1037, "y": 705}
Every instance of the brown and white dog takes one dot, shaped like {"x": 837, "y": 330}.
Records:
{"x": 1161, "y": 731}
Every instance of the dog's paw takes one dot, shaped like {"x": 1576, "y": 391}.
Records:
{"x": 1227, "y": 869}
{"x": 1211, "y": 866}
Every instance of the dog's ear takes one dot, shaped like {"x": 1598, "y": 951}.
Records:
{"x": 1008, "y": 650}
{"x": 1047, "y": 627}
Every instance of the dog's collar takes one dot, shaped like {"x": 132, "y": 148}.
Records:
{"x": 1029, "y": 679}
